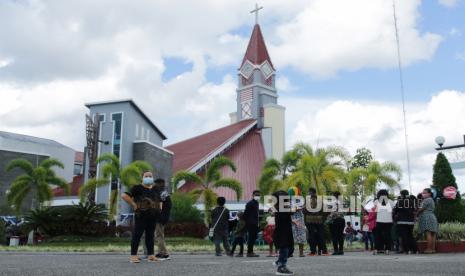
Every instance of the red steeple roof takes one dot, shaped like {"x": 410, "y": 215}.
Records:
{"x": 256, "y": 50}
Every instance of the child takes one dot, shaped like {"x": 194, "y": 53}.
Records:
{"x": 283, "y": 237}
{"x": 350, "y": 233}
{"x": 268, "y": 233}
{"x": 368, "y": 225}
{"x": 220, "y": 217}
{"x": 239, "y": 234}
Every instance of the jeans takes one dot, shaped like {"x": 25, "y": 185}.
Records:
{"x": 368, "y": 237}
{"x": 337, "y": 234}
{"x": 316, "y": 238}
{"x": 143, "y": 223}
{"x": 252, "y": 231}
{"x": 238, "y": 241}
{"x": 219, "y": 238}
{"x": 406, "y": 235}
{"x": 383, "y": 236}
{"x": 283, "y": 255}
{"x": 160, "y": 239}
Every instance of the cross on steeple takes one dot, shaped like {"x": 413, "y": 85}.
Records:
{"x": 257, "y": 8}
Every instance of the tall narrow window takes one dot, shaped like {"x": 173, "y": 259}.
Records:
{"x": 117, "y": 119}
{"x": 137, "y": 131}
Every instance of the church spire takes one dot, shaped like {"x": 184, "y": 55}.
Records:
{"x": 256, "y": 50}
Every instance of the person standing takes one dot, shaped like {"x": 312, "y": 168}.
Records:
{"x": 368, "y": 225}
{"x": 384, "y": 222}
{"x": 239, "y": 234}
{"x": 427, "y": 222}
{"x": 268, "y": 233}
{"x": 164, "y": 218}
{"x": 404, "y": 216}
{"x": 220, "y": 220}
{"x": 314, "y": 221}
{"x": 283, "y": 237}
{"x": 251, "y": 216}
{"x": 145, "y": 200}
{"x": 337, "y": 223}
{"x": 298, "y": 229}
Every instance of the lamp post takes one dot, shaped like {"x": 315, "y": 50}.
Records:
{"x": 440, "y": 141}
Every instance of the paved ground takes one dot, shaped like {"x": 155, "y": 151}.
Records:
{"x": 116, "y": 264}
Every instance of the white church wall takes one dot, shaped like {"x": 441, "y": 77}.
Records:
{"x": 274, "y": 119}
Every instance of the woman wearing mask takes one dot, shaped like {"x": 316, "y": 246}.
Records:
{"x": 427, "y": 222}
{"x": 145, "y": 200}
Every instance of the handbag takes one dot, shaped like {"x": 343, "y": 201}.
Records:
{"x": 212, "y": 229}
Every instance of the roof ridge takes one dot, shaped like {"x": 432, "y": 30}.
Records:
{"x": 209, "y": 132}
{"x": 229, "y": 141}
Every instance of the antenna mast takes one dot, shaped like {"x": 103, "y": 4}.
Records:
{"x": 401, "y": 78}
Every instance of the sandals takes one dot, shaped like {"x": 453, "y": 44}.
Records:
{"x": 134, "y": 259}
{"x": 152, "y": 258}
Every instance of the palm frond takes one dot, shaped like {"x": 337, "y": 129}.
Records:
{"x": 52, "y": 162}
{"x": 213, "y": 170}
{"x": 187, "y": 177}
{"x": 131, "y": 175}
{"x": 230, "y": 183}
{"x": 21, "y": 164}
{"x": 60, "y": 182}
{"x": 90, "y": 187}
{"x": 142, "y": 165}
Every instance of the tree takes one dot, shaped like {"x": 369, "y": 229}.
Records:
{"x": 361, "y": 159}
{"x": 447, "y": 210}
{"x": 354, "y": 180}
{"x": 115, "y": 174}
{"x": 322, "y": 169}
{"x": 388, "y": 173}
{"x": 212, "y": 179}
{"x": 36, "y": 181}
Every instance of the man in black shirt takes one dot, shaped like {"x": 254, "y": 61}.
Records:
{"x": 220, "y": 221}
{"x": 145, "y": 200}
{"x": 251, "y": 216}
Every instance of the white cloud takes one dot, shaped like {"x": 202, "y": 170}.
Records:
{"x": 448, "y": 3}
{"x": 283, "y": 84}
{"x": 379, "y": 126}
{"x": 460, "y": 56}
{"x": 330, "y": 35}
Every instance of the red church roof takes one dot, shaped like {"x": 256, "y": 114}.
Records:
{"x": 191, "y": 153}
{"x": 256, "y": 50}
{"x": 248, "y": 155}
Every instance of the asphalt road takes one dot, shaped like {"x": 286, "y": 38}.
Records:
{"x": 189, "y": 265}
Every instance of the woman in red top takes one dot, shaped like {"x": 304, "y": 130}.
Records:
{"x": 368, "y": 225}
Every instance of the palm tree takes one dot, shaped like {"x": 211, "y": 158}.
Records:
{"x": 322, "y": 169}
{"x": 275, "y": 173}
{"x": 388, "y": 173}
{"x": 34, "y": 180}
{"x": 113, "y": 172}
{"x": 212, "y": 179}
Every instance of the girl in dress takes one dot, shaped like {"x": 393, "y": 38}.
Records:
{"x": 269, "y": 232}
{"x": 299, "y": 230}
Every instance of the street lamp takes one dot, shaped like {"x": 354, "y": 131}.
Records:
{"x": 440, "y": 140}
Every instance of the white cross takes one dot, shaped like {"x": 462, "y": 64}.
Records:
{"x": 257, "y": 8}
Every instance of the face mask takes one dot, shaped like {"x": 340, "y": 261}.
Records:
{"x": 148, "y": 180}
{"x": 257, "y": 198}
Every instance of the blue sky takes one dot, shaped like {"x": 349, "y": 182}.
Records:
{"x": 335, "y": 59}
{"x": 421, "y": 79}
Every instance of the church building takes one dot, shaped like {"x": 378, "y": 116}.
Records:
{"x": 255, "y": 134}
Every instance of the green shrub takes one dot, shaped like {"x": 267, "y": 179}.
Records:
{"x": 183, "y": 209}
{"x": 81, "y": 219}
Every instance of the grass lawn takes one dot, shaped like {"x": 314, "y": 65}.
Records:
{"x": 121, "y": 245}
